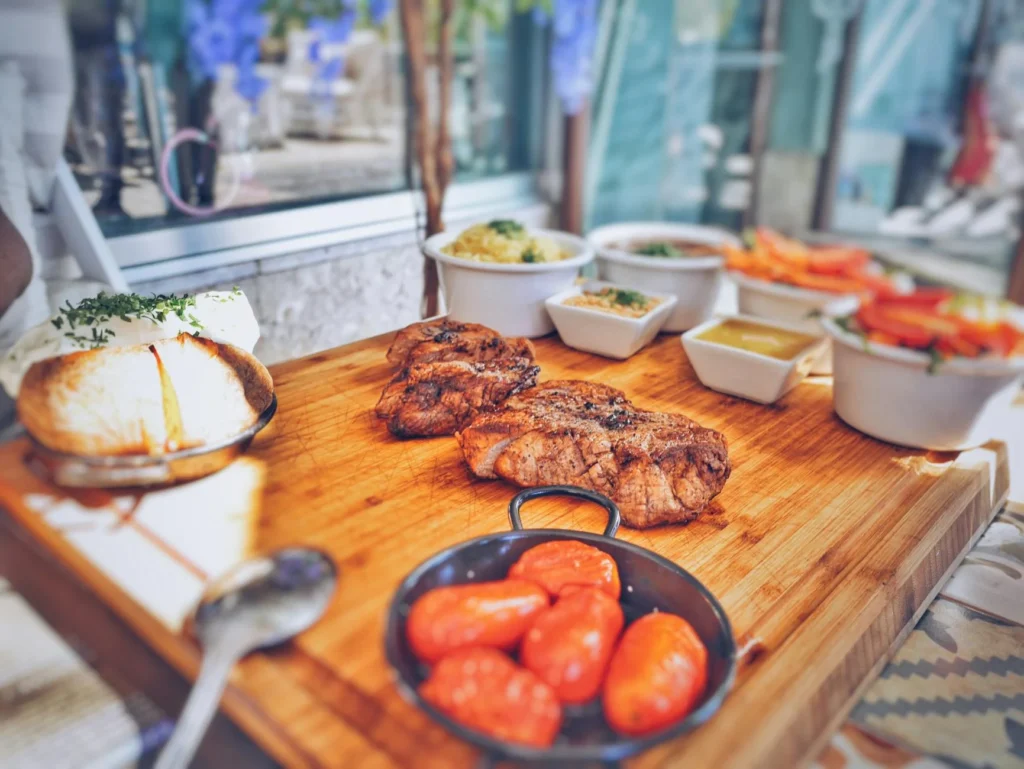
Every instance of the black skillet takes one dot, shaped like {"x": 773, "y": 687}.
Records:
{"x": 649, "y": 582}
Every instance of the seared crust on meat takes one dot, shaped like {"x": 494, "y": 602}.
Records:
{"x": 659, "y": 468}
{"x": 451, "y": 372}
{"x": 441, "y": 397}
{"x": 445, "y": 340}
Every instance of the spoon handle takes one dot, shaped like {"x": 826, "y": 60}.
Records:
{"x": 200, "y": 708}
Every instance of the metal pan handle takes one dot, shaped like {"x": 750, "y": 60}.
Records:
{"x": 614, "y": 519}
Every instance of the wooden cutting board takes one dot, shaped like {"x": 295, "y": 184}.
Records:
{"x": 824, "y": 548}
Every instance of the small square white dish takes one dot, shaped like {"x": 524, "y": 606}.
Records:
{"x": 605, "y": 333}
{"x": 746, "y": 374}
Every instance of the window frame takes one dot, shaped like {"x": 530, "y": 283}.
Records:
{"x": 229, "y": 239}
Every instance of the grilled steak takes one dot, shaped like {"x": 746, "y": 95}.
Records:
{"x": 658, "y": 468}
{"x": 442, "y": 340}
{"x": 441, "y": 397}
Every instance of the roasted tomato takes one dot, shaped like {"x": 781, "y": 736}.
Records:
{"x": 562, "y": 562}
{"x": 570, "y": 644}
{"x": 656, "y": 676}
{"x": 485, "y": 690}
{"x": 493, "y": 614}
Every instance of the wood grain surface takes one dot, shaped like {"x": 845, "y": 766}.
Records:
{"x": 824, "y": 548}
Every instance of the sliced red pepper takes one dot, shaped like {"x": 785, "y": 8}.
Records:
{"x": 837, "y": 260}
{"x": 941, "y": 326}
{"x": 882, "y": 337}
{"x": 879, "y": 286}
{"x": 835, "y": 284}
{"x": 929, "y": 298}
{"x": 1001, "y": 338}
{"x": 911, "y": 331}
{"x": 959, "y": 346}
{"x": 790, "y": 252}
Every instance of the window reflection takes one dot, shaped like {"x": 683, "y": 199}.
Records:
{"x": 198, "y": 108}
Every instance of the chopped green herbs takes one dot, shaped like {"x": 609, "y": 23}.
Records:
{"x": 99, "y": 338}
{"x": 508, "y": 228}
{"x": 659, "y": 248}
{"x": 935, "y": 358}
{"x": 128, "y": 307}
{"x": 625, "y": 297}
{"x": 530, "y": 256}
{"x": 235, "y": 292}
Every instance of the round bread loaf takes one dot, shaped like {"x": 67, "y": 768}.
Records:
{"x": 145, "y": 399}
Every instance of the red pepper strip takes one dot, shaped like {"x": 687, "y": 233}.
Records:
{"x": 929, "y": 298}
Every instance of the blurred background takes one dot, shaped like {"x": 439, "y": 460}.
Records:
{"x": 895, "y": 124}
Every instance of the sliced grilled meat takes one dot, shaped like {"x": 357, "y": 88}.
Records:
{"x": 441, "y": 397}
{"x": 442, "y": 340}
{"x": 659, "y": 468}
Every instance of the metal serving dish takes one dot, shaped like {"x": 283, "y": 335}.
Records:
{"x": 75, "y": 471}
{"x": 649, "y": 582}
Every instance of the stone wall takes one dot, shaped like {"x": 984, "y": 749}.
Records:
{"x": 314, "y": 300}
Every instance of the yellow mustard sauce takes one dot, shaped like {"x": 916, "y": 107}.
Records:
{"x": 763, "y": 340}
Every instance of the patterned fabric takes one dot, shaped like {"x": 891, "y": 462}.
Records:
{"x": 954, "y": 693}
{"x": 955, "y": 689}
{"x": 55, "y": 711}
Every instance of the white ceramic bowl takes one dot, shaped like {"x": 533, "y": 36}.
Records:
{"x": 791, "y": 304}
{"x": 506, "y": 297}
{"x": 613, "y": 336}
{"x": 694, "y": 281}
{"x": 746, "y": 374}
{"x": 887, "y": 392}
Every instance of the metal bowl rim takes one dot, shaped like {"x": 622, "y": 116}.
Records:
{"x": 613, "y": 751}
{"x": 132, "y": 461}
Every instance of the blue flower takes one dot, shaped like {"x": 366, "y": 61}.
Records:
{"x": 227, "y": 32}
{"x": 379, "y": 9}
{"x": 250, "y": 86}
{"x": 574, "y": 33}
{"x": 212, "y": 44}
{"x": 334, "y": 30}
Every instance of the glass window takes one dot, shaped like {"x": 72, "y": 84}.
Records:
{"x": 220, "y": 108}
{"x": 672, "y": 117}
{"x": 931, "y": 150}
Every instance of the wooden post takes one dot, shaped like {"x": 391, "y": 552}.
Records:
{"x": 433, "y": 148}
{"x": 1015, "y": 286}
{"x": 574, "y": 167}
{"x": 762, "y": 112}
{"x": 828, "y": 174}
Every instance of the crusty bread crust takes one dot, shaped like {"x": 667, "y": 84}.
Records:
{"x": 96, "y": 402}
{"x": 113, "y": 401}
{"x": 220, "y": 390}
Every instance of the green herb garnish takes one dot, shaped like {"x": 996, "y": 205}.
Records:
{"x": 935, "y": 358}
{"x": 626, "y": 297}
{"x": 235, "y": 292}
{"x": 99, "y": 338}
{"x": 846, "y": 324}
{"x": 508, "y": 228}
{"x": 530, "y": 256}
{"x": 128, "y": 307}
{"x": 659, "y": 248}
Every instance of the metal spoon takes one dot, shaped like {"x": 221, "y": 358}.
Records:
{"x": 261, "y": 602}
